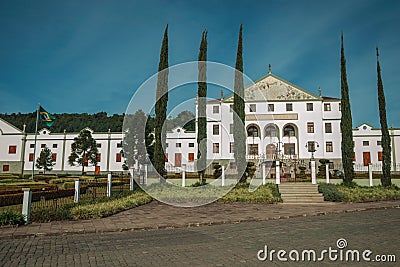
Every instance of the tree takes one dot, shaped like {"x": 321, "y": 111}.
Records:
{"x": 346, "y": 125}
{"x": 201, "y": 105}
{"x": 45, "y": 160}
{"x": 161, "y": 107}
{"x": 239, "y": 135}
{"x": 386, "y": 149}
{"x": 83, "y": 150}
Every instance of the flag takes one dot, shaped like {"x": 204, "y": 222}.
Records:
{"x": 46, "y": 117}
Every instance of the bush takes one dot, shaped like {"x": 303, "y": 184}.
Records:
{"x": 198, "y": 183}
{"x": 11, "y": 218}
{"x": 268, "y": 193}
{"x": 330, "y": 192}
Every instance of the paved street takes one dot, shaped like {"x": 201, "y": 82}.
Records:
{"x": 218, "y": 245}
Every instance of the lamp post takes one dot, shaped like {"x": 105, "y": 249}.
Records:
{"x": 311, "y": 146}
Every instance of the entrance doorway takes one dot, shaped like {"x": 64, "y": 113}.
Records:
{"x": 178, "y": 159}
{"x": 366, "y": 158}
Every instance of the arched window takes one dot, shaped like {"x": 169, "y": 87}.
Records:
{"x": 270, "y": 131}
{"x": 288, "y": 131}
{"x": 252, "y": 131}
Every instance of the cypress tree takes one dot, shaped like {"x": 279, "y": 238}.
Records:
{"x": 346, "y": 125}
{"x": 386, "y": 149}
{"x": 239, "y": 135}
{"x": 201, "y": 105}
{"x": 161, "y": 107}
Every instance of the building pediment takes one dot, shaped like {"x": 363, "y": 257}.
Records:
{"x": 273, "y": 88}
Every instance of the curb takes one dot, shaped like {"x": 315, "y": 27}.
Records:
{"x": 189, "y": 225}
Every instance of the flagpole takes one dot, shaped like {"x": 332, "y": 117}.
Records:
{"x": 34, "y": 148}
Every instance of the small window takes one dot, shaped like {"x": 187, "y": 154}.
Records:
{"x": 30, "y": 157}
{"x": 231, "y": 128}
{"x": 32, "y": 145}
{"x": 379, "y": 143}
{"x": 365, "y": 143}
{"x": 6, "y": 168}
{"x": 55, "y": 145}
{"x": 380, "y": 155}
{"x": 231, "y": 147}
{"x": 119, "y": 145}
{"x": 311, "y": 146}
{"x": 328, "y": 127}
{"x": 98, "y": 157}
{"x": 178, "y": 144}
{"x": 215, "y": 109}
{"x": 329, "y": 147}
{"x": 310, "y": 107}
{"x": 54, "y": 157}
{"x": 215, "y": 129}
{"x": 289, "y": 148}
{"x": 252, "y": 131}
{"x": 98, "y": 145}
{"x": 191, "y": 144}
{"x": 230, "y": 108}
{"x": 253, "y": 149}
{"x": 271, "y": 107}
{"x": 118, "y": 157}
{"x": 289, "y": 107}
{"x": 12, "y": 150}
{"x": 253, "y": 108}
{"x": 42, "y": 145}
{"x": 327, "y": 107}
{"x": 310, "y": 127}
{"x": 215, "y": 147}
{"x": 191, "y": 157}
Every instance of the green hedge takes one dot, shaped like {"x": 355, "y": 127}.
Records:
{"x": 11, "y": 218}
{"x": 330, "y": 192}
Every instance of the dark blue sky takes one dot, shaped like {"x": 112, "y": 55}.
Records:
{"x": 91, "y": 56}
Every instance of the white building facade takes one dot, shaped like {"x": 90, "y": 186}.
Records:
{"x": 282, "y": 121}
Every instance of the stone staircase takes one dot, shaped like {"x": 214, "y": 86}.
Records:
{"x": 300, "y": 193}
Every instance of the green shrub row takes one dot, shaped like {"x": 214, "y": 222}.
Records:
{"x": 268, "y": 193}
{"x": 11, "y": 218}
{"x": 15, "y": 199}
{"x": 356, "y": 193}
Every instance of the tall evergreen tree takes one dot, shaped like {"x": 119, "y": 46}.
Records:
{"x": 386, "y": 149}
{"x": 161, "y": 107}
{"x": 346, "y": 125}
{"x": 201, "y": 105}
{"x": 239, "y": 135}
{"x": 45, "y": 160}
{"x": 83, "y": 150}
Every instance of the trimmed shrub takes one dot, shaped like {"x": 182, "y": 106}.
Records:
{"x": 330, "y": 192}
{"x": 11, "y": 218}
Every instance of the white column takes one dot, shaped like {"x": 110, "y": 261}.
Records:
{"x": 223, "y": 175}
{"x": 26, "y": 204}
{"x": 145, "y": 175}
{"x": 313, "y": 176}
{"x": 278, "y": 172}
{"x": 183, "y": 175}
{"x": 371, "y": 183}
{"x": 263, "y": 173}
{"x": 327, "y": 172}
{"x": 132, "y": 172}
{"x": 77, "y": 194}
{"x": 109, "y": 183}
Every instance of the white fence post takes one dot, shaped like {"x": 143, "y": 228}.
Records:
{"x": 145, "y": 175}
{"x": 313, "y": 176}
{"x": 263, "y": 173}
{"x": 277, "y": 172}
{"x": 183, "y": 175}
{"x": 327, "y": 172}
{"x": 132, "y": 172}
{"x": 77, "y": 194}
{"x": 371, "y": 183}
{"x": 223, "y": 175}
{"x": 26, "y": 204}
{"x": 109, "y": 183}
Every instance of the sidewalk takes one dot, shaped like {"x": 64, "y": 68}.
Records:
{"x": 156, "y": 215}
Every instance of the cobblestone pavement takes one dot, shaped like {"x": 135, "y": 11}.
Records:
{"x": 219, "y": 245}
{"x": 156, "y": 215}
